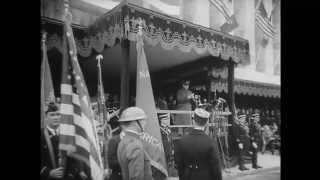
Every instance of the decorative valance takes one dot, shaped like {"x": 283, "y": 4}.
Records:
{"x": 168, "y": 32}
{"x": 245, "y": 88}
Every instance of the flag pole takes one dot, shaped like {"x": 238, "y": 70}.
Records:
{"x": 44, "y": 37}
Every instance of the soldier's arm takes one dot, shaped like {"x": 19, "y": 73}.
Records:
{"x": 135, "y": 156}
{"x": 112, "y": 154}
{"x": 214, "y": 162}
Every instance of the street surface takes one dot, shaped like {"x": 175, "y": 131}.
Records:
{"x": 267, "y": 174}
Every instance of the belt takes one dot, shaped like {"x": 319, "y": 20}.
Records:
{"x": 195, "y": 166}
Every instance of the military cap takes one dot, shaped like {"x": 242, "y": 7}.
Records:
{"x": 201, "y": 113}
{"x": 186, "y": 82}
{"x": 52, "y": 107}
{"x": 132, "y": 114}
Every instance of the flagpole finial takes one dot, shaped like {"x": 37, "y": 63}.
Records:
{"x": 44, "y": 36}
{"x": 99, "y": 58}
{"x": 67, "y": 13}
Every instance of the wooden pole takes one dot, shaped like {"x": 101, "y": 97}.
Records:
{"x": 125, "y": 74}
{"x": 231, "y": 88}
{"x": 208, "y": 84}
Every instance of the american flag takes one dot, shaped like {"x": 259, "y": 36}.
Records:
{"x": 78, "y": 135}
{"x": 263, "y": 22}
{"x": 223, "y": 9}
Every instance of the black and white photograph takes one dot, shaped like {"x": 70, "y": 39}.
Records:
{"x": 160, "y": 90}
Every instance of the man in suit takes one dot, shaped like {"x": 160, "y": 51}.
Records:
{"x": 196, "y": 154}
{"x": 134, "y": 162}
{"x": 255, "y": 138}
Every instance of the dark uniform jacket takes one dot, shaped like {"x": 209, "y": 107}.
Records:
{"x": 254, "y": 133}
{"x": 133, "y": 160}
{"x": 196, "y": 157}
{"x": 241, "y": 136}
{"x": 46, "y": 164}
{"x": 72, "y": 167}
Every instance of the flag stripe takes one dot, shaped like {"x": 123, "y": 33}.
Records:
{"x": 263, "y": 28}
{"x": 222, "y": 8}
{"x": 264, "y": 22}
{"x": 78, "y": 135}
{"x": 265, "y": 32}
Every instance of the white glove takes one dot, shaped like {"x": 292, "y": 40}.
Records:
{"x": 107, "y": 173}
{"x": 240, "y": 145}
{"x": 254, "y": 145}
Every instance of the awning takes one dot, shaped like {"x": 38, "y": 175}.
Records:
{"x": 168, "y": 32}
{"x": 243, "y": 87}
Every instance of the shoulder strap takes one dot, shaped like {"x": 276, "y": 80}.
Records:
{"x": 51, "y": 154}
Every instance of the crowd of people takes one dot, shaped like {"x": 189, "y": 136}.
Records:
{"x": 254, "y": 130}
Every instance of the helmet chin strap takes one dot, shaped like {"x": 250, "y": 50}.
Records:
{"x": 139, "y": 124}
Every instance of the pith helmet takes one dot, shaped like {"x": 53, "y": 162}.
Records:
{"x": 132, "y": 114}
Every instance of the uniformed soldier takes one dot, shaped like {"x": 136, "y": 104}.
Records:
{"x": 196, "y": 154}
{"x": 255, "y": 137}
{"x": 112, "y": 156}
{"x": 133, "y": 161}
{"x": 74, "y": 169}
{"x": 241, "y": 133}
{"x": 184, "y": 99}
{"x": 49, "y": 145}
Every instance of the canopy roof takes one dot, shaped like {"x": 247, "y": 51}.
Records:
{"x": 184, "y": 39}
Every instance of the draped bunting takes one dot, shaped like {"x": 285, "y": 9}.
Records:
{"x": 168, "y": 32}
{"x": 245, "y": 88}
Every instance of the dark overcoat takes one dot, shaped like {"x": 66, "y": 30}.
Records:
{"x": 197, "y": 157}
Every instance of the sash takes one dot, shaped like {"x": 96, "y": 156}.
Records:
{"x": 53, "y": 161}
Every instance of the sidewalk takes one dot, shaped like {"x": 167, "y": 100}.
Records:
{"x": 267, "y": 161}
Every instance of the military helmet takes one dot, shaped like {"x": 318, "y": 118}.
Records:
{"x": 201, "y": 113}
{"x": 132, "y": 114}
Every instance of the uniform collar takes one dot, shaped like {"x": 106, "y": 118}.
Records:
{"x": 196, "y": 131}
{"x": 132, "y": 133}
{"x": 52, "y": 131}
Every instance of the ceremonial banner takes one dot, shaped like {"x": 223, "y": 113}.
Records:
{"x": 78, "y": 135}
{"x": 47, "y": 91}
{"x": 145, "y": 100}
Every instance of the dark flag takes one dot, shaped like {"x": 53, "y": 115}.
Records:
{"x": 144, "y": 99}
{"x": 78, "y": 135}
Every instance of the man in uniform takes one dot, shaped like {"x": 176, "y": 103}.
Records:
{"x": 255, "y": 139}
{"x": 132, "y": 158}
{"x": 184, "y": 98}
{"x": 241, "y": 131}
{"x": 49, "y": 148}
{"x": 196, "y": 154}
{"x": 49, "y": 145}
{"x": 112, "y": 156}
